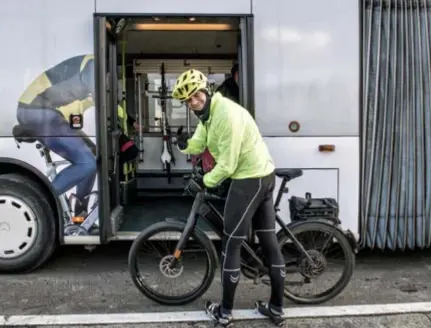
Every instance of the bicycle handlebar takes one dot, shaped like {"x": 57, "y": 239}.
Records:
{"x": 211, "y": 196}
{"x": 204, "y": 193}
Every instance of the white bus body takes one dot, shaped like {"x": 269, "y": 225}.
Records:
{"x": 306, "y": 69}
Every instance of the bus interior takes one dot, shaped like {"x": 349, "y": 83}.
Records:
{"x": 136, "y": 57}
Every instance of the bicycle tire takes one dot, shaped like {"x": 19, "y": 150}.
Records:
{"x": 348, "y": 268}
{"x": 199, "y": 237}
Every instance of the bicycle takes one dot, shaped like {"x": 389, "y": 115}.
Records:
{"x": 167, "y": 158}
{"x": 307, "y": 214}
{"x": 24, "y": 134}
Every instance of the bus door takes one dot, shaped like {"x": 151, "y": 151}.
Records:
{"x": 110, "y": 210}
{"x": 246, "y": 63}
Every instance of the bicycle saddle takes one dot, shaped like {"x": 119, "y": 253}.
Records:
{"x": 288, "y": 173}
{"x": 22, "y": 133}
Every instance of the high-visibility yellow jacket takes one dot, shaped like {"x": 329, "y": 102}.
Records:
{"x": 234, "y": 140}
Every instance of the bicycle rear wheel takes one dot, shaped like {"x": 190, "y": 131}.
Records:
{"x": 298, "y": 265}
{"x": 161, "y": 239}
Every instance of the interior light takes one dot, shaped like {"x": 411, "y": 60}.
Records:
{"x": 183, "y": 27}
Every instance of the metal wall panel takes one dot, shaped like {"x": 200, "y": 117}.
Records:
{"x": 174, "y": 7}
{"x": 307, "y": 67}
{"x": 42, "y": 35}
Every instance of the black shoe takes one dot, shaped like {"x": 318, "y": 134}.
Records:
{"x": 213, "y": 311}
{"x": 275, "y": 316}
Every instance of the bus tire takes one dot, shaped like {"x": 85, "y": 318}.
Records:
{"x": 27, "y": 204}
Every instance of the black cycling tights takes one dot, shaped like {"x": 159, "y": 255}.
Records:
{"x": 250, "y": 201}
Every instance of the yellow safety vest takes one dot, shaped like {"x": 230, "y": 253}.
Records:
{"x": 122, "y": 119}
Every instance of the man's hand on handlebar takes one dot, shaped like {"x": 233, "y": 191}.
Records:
{"x": 196, "y": 183}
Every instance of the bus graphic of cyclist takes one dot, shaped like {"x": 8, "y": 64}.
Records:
{"x": 45, "y": 110}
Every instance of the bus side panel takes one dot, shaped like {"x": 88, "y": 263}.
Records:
{"x": 174, "y": 7}
{"x": 333, "y": 175}
{"x": 45, "y": 50}
{"x": 307, "y": 70}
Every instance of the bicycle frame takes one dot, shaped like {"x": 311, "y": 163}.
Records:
{"x": 51, "y": 172}
{"x": 216, "y": 223}
{"x": 23, "y": 134}
{"x": 167, "y": 156}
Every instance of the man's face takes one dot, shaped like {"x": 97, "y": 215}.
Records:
{"x": 197, "y": 101}
{"x": 236, "y": 77}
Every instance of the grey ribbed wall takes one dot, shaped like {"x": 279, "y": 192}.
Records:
{"x": 396, "y": 191}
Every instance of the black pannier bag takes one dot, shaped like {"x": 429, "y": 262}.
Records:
{"x": 313, "y": 208}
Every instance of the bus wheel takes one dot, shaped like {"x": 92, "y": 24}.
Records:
{"x": 27, "y": 225}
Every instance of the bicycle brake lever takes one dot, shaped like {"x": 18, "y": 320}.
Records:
{"x": 187, "y": 176}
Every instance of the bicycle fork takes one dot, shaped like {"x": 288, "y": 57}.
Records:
{"x": 188, "y": 229}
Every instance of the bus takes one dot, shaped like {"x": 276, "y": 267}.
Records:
{"x": 318, "y": 77}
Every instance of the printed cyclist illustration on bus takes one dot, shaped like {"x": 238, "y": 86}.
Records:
{"x": 50, "y": 112}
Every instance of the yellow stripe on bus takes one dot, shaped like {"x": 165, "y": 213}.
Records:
{"x": 85, "y": 61}
{"x": 36, "y": 88}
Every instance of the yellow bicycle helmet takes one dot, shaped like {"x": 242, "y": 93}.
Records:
{"x": 188, "y": 83}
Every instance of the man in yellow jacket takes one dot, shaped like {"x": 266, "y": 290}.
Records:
{"x": 233, "y": 139}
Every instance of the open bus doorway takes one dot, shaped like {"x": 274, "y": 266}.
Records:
{"x": 149, "y": 53}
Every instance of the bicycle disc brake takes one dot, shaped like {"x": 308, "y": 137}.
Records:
{"x": 312, "y": 270}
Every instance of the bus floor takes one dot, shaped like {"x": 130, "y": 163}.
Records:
{"x": 151, "y": 210}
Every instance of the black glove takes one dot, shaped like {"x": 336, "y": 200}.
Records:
{"x": 196, "y": 183}
{"x": 182, "y": 138}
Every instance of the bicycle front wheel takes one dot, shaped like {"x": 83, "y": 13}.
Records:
{"x": 330, "y": 250}
{"x": 157, "y": 279}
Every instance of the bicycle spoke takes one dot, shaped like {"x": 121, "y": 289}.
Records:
{"x": 311, "y": 281}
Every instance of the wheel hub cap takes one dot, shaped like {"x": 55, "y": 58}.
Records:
{"x": 18, "y": 227}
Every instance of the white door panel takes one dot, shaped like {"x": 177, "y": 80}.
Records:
{"x": 291, "y": 152}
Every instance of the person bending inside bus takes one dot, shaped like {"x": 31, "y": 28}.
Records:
{"x": 233, "y": 138}
{"x": 229, "y": 88}
{"x": 45, "y": 107}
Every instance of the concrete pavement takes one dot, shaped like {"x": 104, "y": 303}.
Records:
{"x": 78, "y": 282}
{"x": 393, "y": 321}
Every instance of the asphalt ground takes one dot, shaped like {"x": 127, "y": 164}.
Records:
{"x": 77, "y": 281}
